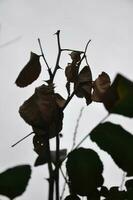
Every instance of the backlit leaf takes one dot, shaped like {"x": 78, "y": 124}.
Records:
{"x": 13, "y": 181}
{"x": 84, "y": 169}
{"x": 119, "y": 97}
{"x": 117, "y": 142}
{"x": 30, "y": 72}
{"x": 83, "y": 85}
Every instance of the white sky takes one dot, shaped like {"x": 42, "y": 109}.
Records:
{"x": 107, "y": 22}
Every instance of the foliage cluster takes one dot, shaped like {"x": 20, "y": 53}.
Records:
{"x": 44, "y": 112}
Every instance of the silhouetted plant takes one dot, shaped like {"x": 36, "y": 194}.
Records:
{"x": 44, "y": 112}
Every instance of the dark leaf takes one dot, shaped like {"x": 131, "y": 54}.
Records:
{"x": 104, "y": 191}
{"x": 114, "y": 193}
{"x": 100, "y": 86}
{"x": 68, "y": 88}
{"x": 75, "y": 56}
{"x": 72, "y": 197}
{"x": 119, "y": 98}
{"x": 43, "y": 112}
{"x": 30, "y": 72}
{"x": 43, "y": 157}
{"x": 13, "y": 181}
{"x": 117, "y": 142}
{"x": 129, "y": 184}
{"x": 83, "y": 85}
{"x": 71, "y": 72}
{"x": 84, "y": 169}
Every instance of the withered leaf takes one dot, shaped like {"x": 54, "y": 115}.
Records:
{"x": 100, "y": 86}
{"x": 75, "y": 56}
{"x": 42, "y": 112}
{"x": 71, "y": 72}
{"x": 83, "y": 85}
{"x": 30, "y": 72}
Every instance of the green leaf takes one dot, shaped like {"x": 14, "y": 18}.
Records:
{"x": 117, "y": 142}
{"x": 13, "y": 181}
{"x": 119, "y": 98}
{"x": 84, "y": 169}
{"x": 30, "y": 72}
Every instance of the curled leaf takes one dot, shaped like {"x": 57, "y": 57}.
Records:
{"x": 30, "y": 72}
{"x": 83, "y": 85}
{"x": 42, "y": 112}
{"x": 100, "y": 86}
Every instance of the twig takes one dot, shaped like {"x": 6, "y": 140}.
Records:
{"x": 57, "y": 166}
{"x": 49, "y": 70}
{"x": 58, "y": 56}
{"x": 76, "y": 128}
{"x": 72, "y": 50}
{"x": 89, "y": 132}
{"x": 22, "y": 139}
{"x": 68, "y": 100}
{"x": 123, "y": 180}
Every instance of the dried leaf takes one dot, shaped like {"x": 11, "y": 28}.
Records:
{"x": 30, "y": 72}
{"x": 71, "y": 72}
{"x": 42, "y": 112}
{"x": 75, "y": 56}
{"x": 59, "y": 100}
{"x": 100, "y": 86}
{"x": 83, "y": 85}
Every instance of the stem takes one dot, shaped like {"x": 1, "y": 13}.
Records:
{"x": 49, "y": 70}
{"x": 50, "y": 169}
{"x": 89, "y": 132}
{"x": 68, "y": 100}
{"x": 72, "y": 50}
{"x": 57, "y": 166}
{"x": 22, "y": 139}
{"x": 58, "y": 56}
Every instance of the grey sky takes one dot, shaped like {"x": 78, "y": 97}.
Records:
{"x": 107, "y": 22}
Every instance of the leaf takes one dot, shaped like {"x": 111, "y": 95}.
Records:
{"x": 119, "y": 98}
{"x": 84, "y": 169}
{"x": 100, "y": 86}
{"x": 72, "y": 197}
{"x": 117, "y": 142}
{"x": 71, "y": 72}
{"x": 13, "y": 181}
{"x": 30, "y": 72}
{"x": 59, "y": 100}
{"x": 75, "y": 56}
{"x": 43, "y": 157}
{"x": 42, "y": 111}
{"x": 114, "y": 193}
{"x": 83, "y": 85}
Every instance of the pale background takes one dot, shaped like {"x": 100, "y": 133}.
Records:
{"x": 108, "y": 23}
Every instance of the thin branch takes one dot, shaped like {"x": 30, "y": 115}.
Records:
{"x": 123, "y": 181}
{"x": 57, "y": 166}
{"x": 68, "y": 100}
{"x": 89, "y": 132}
{"x": 76, "y": 128}
{"x": 22, "y": 139}
{"x": 58, "y": 56}
{"x": 40, "y": 45}
{"x": 72, "y": 50}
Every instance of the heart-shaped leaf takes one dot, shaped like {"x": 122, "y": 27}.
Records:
{"x": 84, "y": 169}
{"x": 119, "y": 97}
{"x": 13, "y": 181}
{"x": 30, "y": 72}
{"x": 117, "y": 142}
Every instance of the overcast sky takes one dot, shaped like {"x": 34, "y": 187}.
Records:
{"x": 108, "y": 23}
